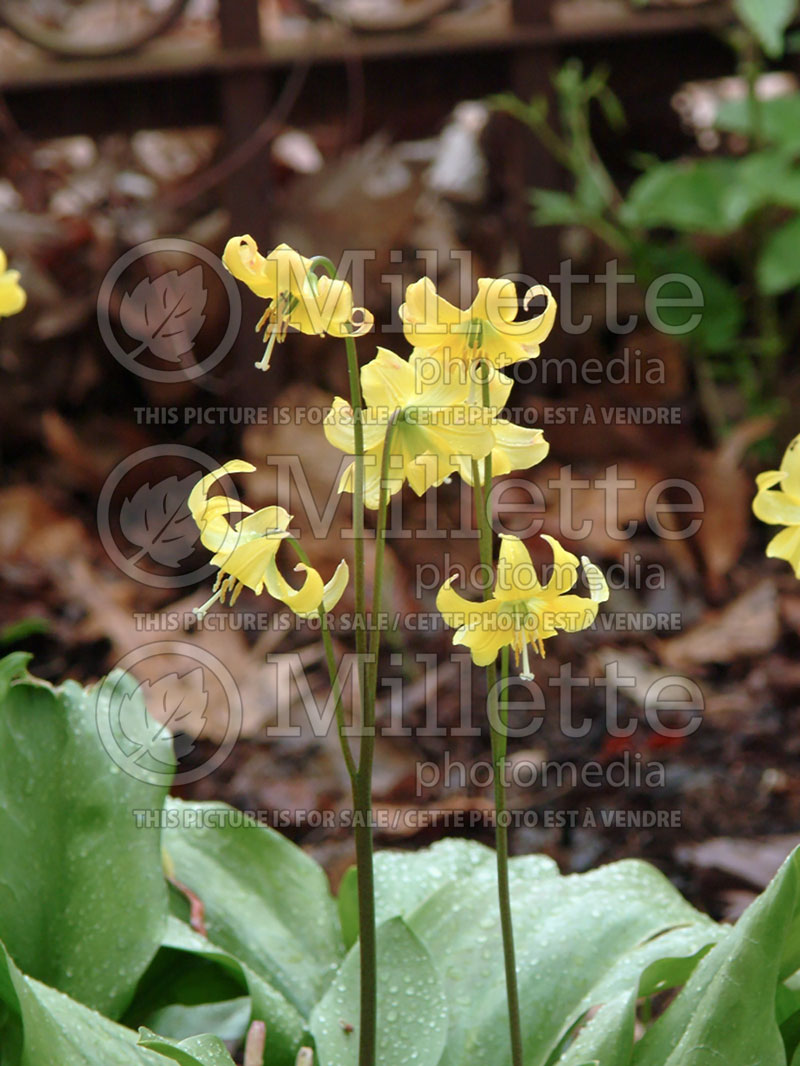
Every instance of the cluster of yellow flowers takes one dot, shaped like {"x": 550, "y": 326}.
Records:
{"x": 434, "y": 404}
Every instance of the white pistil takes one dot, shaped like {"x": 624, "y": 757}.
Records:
{"x": 201, "y": 612}
{"x": 527, "y": 673}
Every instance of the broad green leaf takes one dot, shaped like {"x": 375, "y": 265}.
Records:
{"x": 83, "y": 902}
{"x": 607, "y": 1038}
{"x": 204, "y": 1050}
{"x": 768, "y": 21}
{"x": 229, "y": 1019}
{"x": 13, "y": 667}
{"x": 778, "y": 119}
{"x": 403, "y": 879}
{"x": 54, "y": 1030}
{"x": 554, "y": 208}
{"x": 21, "y": 630}
{"x": 582, "y": 940}
{"x": 285, "y": 1026}
{"x": 691, "y": 196}
{"x": 412, "y": 1012}
{"x": 722, "y": 316}
{"x": 266, "y": 901}
{"x": 778, "y": 267}
{"x": 726, "y": 1011}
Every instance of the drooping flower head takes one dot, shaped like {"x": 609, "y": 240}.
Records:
{"x": 521, "y": 611}
{"x": 12, "y": 294}
{"x": 487, "y": 330}
{"x": 296, "y": 296}
{"x": 780, "y": 506}
{"x": 245, "y": 549}
{"x": 435, "y": 429}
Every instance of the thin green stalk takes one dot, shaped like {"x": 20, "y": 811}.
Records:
{"x": 380, "y": 547}
{"x": 361, "y": 775}
{"x": 363, "y": 781}
{"x": 499, "y": 738}
{"x": 333, "y": 674}
{"x": 499, "y": 744}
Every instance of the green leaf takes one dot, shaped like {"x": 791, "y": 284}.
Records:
{"x": 83, "y": 903}
{"x": 607, "y": 1038}
{"x": 13, "y": 667}
{"x": 722, "y": 316}
{"x": 778, "y": 267}
{"x": 50, "y": 1029}
{"x": 554, "y": 208}
{"x": 21, "y": 630}
{"x": 726, "y": 1010}
{"x": 767, "y": 20}
{"x": 778, "y": 120}
{"x": 689, "y": 196}
{"x": 412, "y": 1012}
{"x": 285, "y": 1026}
{"x": 582, "y": 941}
{"x": 205, "y": 1050}
{"x": 266, "y": 901}
{"x": 229, "y": 1019}
{"x": 403, "y": 879}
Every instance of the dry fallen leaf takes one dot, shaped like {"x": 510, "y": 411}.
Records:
{"x": 747, "y": 627}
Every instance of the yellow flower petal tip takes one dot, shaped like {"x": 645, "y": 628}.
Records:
{"x": 489, "y": 329}
{"x": 777, "y": 502}
{"x": 12, "y": 295}
{"x": 245, "y": 549}
{"x": 296, "y": 297}
{"x": 522, "y": 612}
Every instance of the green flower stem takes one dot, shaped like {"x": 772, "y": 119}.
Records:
{"x": 363, "y": 781}
{"x": 498, "y": 714}
{"x": 380, "y": 546}
{"x": 499, "y": 744}
{"x": 333, "y": 674}
{"x": 361, "y": 776}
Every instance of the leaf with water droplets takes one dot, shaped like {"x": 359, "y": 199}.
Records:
{"x": 412, "y": 1010}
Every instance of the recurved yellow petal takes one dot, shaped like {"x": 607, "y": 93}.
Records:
{"x": 12, "y": 295}
{"x": 790, "y": 465}
{"x": 565, "y": 568}
{"x": 776, "y": 508}
{"x": 303, "y": 601}
{"x": 786, "y": 545}
{"x": 516, "y": 447}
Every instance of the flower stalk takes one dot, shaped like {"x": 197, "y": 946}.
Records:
{"x": 498, "y": 713}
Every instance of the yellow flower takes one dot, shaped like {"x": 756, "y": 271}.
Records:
{"x": 515, "y": 447}
{"x": 486, "y": 330}
{"x": 245, "y": 550}
{"x": 296, "y": 296}
{"x": 12, "y": 295}
{"x": 436, "y": 430}
{"x": 781, "y": 507}
{"x": 521, "y": 611}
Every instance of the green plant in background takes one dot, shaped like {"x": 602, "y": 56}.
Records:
{"x": 99, "y": 962}
{"x": 729, "y": 222}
